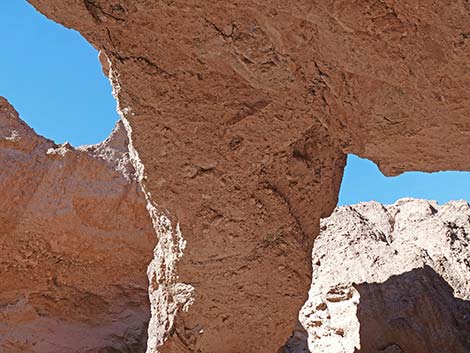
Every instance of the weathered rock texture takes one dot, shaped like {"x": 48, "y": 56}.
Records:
{"x": 391, "y": 279}
{"x": 75, "y": 242}
{"x": 242, "y": 112}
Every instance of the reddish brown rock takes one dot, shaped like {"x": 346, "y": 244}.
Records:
{"x": 75, "y": 242}
{"x": 241, "y": 114}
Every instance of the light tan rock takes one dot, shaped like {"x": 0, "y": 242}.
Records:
{"x": 391, "y": 279}
{"x": 75, "y": 242}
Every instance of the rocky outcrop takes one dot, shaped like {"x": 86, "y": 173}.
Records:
{"x": 75, "y": 243}
{"x": 391, "y": 279}
{"x": 242, "y": 113}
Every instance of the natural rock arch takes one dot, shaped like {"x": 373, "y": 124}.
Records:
{"x": 242, "y": 114}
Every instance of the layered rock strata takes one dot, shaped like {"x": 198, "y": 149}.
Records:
{"x": 241, "y": 114}
{"x": 391, "y": 279}
{"x": 75, "y": 243}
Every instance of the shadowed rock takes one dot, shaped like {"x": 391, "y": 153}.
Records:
{"x": 413, "y": 312}
{"x": 391, "y": 279}
{"x": 75, "y": 242}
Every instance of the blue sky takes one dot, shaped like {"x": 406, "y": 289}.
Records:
{"x": 364, "y": 182}
{"x": 53, "y": 78}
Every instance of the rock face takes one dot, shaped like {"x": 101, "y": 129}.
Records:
{"x": 242, "y": 113}
{"x": 75, "y": 242}
{"x": 391, "y": 279}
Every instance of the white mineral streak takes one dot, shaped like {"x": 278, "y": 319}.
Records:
{"x": 61, "y": 150}
{"x": 14, "y": 137}
{"x": 167, "y": 295}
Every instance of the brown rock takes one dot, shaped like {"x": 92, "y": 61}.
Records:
{"x": 392, "y": 349}
{"x": 403, "y": 283}
{"x": 241, "y": 114}
{"x": 75, "y": 242}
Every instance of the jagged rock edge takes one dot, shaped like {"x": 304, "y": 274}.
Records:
{"x": 162, "y": 273}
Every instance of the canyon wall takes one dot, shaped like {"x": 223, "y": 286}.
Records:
{"x": 240, "y": 116}
{"x": 75, "y": 243}
{"x": 390, "y": 279}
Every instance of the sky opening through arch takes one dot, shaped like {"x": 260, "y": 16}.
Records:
{"x": 53, "y": 78}
{"x": 363, "y": 181}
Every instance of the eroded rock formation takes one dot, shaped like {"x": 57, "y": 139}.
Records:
{"x": 241, "y": 115}
{"x": 75, "y": 242}
{"x": 391, "y": 279}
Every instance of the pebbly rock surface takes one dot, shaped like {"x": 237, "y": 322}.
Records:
{"x": 75, "y": 243}
{"x": 390, "y": 279}
{"x": 241, "y": 114}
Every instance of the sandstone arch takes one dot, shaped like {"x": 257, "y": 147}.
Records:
{"x": 242, "y": 113}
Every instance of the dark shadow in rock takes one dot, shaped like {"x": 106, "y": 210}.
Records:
{"x": 414, "y": 312}
{"x": 297, "y": 342}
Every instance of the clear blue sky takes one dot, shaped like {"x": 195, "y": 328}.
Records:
{"x": 53, "y": 78}
{"x": 364, "y": 182}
